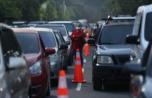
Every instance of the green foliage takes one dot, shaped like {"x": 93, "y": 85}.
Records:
{"x": 67, "y": 9}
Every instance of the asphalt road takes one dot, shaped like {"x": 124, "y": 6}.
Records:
{"x": 87, "y": 88}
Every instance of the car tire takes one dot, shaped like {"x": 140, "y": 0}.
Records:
{"x": 54, "y": 82}
{"x": 97, "y": 84}
{"x": 48, "y": 89}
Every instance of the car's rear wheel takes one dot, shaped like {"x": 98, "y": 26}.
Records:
{"x": 48, "y": 88}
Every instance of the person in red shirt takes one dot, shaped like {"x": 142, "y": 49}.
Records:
{"x": 78, "y": 41}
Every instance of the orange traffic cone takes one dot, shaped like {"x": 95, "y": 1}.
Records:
{"x": 86, "y": 49}
{"x": 62, "y": 86}
{"x": 78, "y": 74}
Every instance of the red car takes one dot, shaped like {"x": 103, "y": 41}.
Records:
{"x": 37, "y": 58}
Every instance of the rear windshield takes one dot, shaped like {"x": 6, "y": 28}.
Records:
{"x": 48, "y": 39}
{"x": 28, "y": 42}
{"x": 60, "y": 28}
{"x": 115, "y": 34}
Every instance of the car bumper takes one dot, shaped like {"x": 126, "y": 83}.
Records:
{"x": 114, "y": 73}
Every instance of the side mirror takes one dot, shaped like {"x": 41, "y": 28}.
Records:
{"x": 91, "y": 41}
{"x": 16, "y": 62}
{"x": 63, "y": 46}
{"x": 132, "y": 39}
{"x": 49, "y": 51}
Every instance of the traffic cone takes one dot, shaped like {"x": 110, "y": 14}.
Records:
{"x": 62, "y": 91}
{"x": 86, "y": 49}
{"x": 78, "y": 74}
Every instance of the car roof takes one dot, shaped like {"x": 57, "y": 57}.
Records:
{"x": 118, "y": 24}
{"x": 145, "y": 8}
{"x": 27, "y": 30}
{"x": 5, "y": 25}
{"x": 60, "y": 22}
{"x": 41, "y": 29}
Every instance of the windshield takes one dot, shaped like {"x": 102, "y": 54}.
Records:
{"x": 115, "y": 34}
{"x": 48, "y": 39}
{"x": 137, "y": 24}
{"x": 28, "y": 42}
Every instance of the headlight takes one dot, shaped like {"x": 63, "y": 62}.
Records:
{"x": 104, "y": 59}
{"x": 36, "y": 68}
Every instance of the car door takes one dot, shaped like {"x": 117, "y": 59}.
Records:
{"x": 63, "y": 52}
{"x": 17, "y": 79}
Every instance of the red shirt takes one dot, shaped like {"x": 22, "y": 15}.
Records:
{"x": 77, "y": 39}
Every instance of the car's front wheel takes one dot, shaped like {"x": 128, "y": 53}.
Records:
{"x": 97, "y": 84}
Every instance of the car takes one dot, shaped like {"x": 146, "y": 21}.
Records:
{"x": 14, "y": 79}
{"x": 38, "y": 61}
{"x": 61, "y": 28}
{"x": 68, "y": 24}
{"x": 19, "y": 23}
{"x": 110, "y": 55}
{"x": 58, "y": 27}
{"x": 58, "y": 59}
{"x": 63, "y": 45}
{"x": 141, "y": 37}
{"x": 141, "y": 26}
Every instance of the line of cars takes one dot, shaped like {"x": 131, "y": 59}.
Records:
{"x": 123, "y": 54}
{"x": 31, "y": 57}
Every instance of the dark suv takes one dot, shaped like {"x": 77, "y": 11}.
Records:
{"x": 110, "y": 55}
{"x": 14, "y": 77}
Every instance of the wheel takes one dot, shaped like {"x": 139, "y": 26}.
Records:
{"x": 48, "y": 88}
{"x": 29, "y": 92}
{"x": 97, "y": 84}
{"x": 54, "y": 82}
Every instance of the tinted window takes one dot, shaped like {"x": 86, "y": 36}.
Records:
{"x": 29, "y": 42}
{"x": 115, "y": 34}
{"x": 48, "y": 39}
{"x": 9, "y": 42}
{"x": 148, "y": 27}
{"x": 60, "y": 28}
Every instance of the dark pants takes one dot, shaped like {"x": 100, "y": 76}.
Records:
{"x": 81, "y": 54}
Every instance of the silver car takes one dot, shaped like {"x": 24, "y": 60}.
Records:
{"x": 14, "y": 78}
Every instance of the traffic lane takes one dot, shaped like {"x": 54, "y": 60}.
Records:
{"x": 87, "y": 88}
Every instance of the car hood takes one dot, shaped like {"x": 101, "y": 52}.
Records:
{"x": 116, "y": 49}
{"x": 32, "y": 58}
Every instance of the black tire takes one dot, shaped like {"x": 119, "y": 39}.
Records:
{"x": 97, "y": 84}
{"x": 54, "y": 82}
{"x": 29, "y": 93}
{"x": 48, "y": 89}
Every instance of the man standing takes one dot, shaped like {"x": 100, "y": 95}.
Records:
{"x": 78, "y": 41}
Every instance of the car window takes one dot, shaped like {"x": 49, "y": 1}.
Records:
{"x": 60, "y": 28}
{"x": 148, "y": 27}
{"x": 59, "y": 39}
{"x": 29, "y": 42}
{"x": 115, "y": 34}
{"x": 137, "y": 24}
{"x": 9, "y": 43}
{"x": 48, "y": 39}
